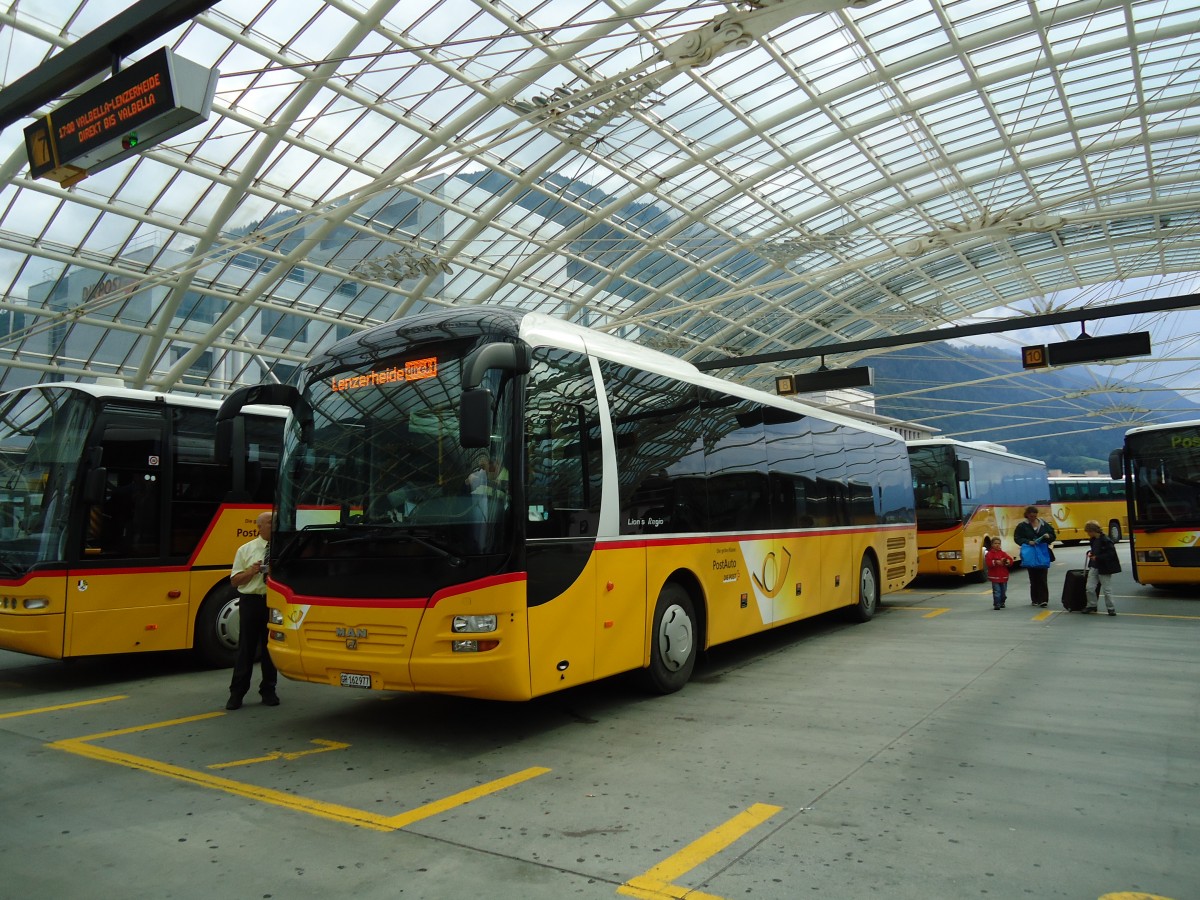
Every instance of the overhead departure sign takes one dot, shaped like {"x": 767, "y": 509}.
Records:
{"x": 1086, "y": 350}
{"x": 1034, "y": 357}
{"x": 824, "y": 380}
{"x": 152, "y": 100}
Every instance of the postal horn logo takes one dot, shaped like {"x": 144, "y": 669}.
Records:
{"x": 774, "y": 573}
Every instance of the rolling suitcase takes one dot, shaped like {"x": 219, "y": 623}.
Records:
{"x": 1074, "y": 595}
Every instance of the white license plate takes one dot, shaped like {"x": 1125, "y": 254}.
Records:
{"x": 349, "y": 679}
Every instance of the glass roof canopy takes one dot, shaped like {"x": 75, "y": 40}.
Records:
{"x": 706, "y": 178}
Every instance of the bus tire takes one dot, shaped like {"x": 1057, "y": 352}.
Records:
{"x": 672, "y": 642}
{"x": 868, "y": 592}
{"x": 217, "y": 627}
{"x": 1114, "y": 531}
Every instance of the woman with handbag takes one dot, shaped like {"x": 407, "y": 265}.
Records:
{"x": 1034, "y": 536}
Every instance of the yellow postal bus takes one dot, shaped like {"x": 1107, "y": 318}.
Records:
{"x": 118, "y": 524}
{"x": 1077, "y": 499}
{"x": 1160, "y": 465}
{"x": 501, "y": 505}
{"x": 968, "y": 491}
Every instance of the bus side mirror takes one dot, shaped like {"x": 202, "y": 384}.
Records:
{"x": 962, "y": 469}
{"x": 475, "y": 418}
{"x": 264, "y": 395}
{"x": 1116, "y": 464}
{"x": 93, "y": 487}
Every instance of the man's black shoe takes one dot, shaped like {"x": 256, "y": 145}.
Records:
{"x": 234, "y": 702}
{"x": 270, "y": 700}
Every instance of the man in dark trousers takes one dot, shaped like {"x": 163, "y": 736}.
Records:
{"x": 249, "y": 577}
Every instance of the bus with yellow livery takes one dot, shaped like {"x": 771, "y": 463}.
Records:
{"x": 500, "y": 505}
{"x": 1160, "y": 467}
{"x": 967, "y": 492}
{"x": 1077, "y": 499}
{"x": 118, "y": 524}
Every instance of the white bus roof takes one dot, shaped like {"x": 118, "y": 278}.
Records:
{"x": 538, "y": 329}
{"x": 108, "y": 391}
{"x": 984, "y": 447}
{"x": 1164, "y": 426}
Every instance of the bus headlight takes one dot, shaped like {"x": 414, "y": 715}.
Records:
{"x": 275, "y": 616}
{"x": 473, "y": 624}
{"x": 1151, "y": 556}
{"x": 949, "y": 554}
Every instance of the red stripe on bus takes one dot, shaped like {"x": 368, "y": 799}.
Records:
{"x": 400, "y": 602}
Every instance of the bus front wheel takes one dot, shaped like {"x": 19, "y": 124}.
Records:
{"x": 1114, "y": 531}
{"x": 868, "y": 592}
{"x": 673, "y": 642}
{"x": 217, "y": 627}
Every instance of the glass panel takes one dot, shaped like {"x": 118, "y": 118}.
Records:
{"x": 42, "y": 436}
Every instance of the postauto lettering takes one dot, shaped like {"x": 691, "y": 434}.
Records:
{"x": 1185, "y": 441}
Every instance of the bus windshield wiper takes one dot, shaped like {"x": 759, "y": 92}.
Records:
{"x": 403, "y": 533}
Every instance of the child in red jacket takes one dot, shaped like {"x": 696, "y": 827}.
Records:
{"x": 997, "y": 563}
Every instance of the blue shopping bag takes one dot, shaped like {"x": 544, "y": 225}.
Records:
{"x": 1035, "y": 556}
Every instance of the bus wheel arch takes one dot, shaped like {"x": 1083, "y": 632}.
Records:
{"x": 1114, "y": 531}
{"x": 677, "y": 633}
{"x": 868, "y": 591}
{"x": 218, "y": 625}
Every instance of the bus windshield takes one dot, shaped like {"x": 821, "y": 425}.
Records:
{"x": 935, "y": 485}
{"x": 1166, "y": 477}
{"x": 382, "y": 488}
{"x": 42, "y": 435}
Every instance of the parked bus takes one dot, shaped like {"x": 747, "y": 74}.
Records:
{"x": 118, "y": 524}
{"x": 968, "y": 491}
{"x": 1160, "y": 465}
{"x": 500, "y": 505}
{"x": 1077, "y": 499}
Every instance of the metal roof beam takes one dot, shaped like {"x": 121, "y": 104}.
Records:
{"x": 1080, "y": 314}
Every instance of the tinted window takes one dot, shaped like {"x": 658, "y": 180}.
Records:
{"x": 562, "y": 447}
{"x": 659, "y": 442}
{"x": 736, "y": 464}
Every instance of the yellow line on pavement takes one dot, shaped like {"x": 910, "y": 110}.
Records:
{"x": 83, "y": 746}
{"x": 322, "y": 747}
{"x": 446, "y": 803}
{"x": 656, "y": 882}
{"x": 76, "y": 705}
{"x": 930, "y": 611}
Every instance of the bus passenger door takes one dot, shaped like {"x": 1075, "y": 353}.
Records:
{"x": 121, "y": 598}
{"x": 562, "y": 513}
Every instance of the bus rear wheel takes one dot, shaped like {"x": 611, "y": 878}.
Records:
{"x": 1114, "y": 531}
{"x": 868, "y": 592}
{"x": 217, "y": 627}
{"x": 673, "y": 642}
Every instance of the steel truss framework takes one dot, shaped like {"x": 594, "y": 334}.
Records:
{"x": 713, "y": 179}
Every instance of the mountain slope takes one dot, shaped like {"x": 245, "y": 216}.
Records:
{"x": 1070, "y": 417}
